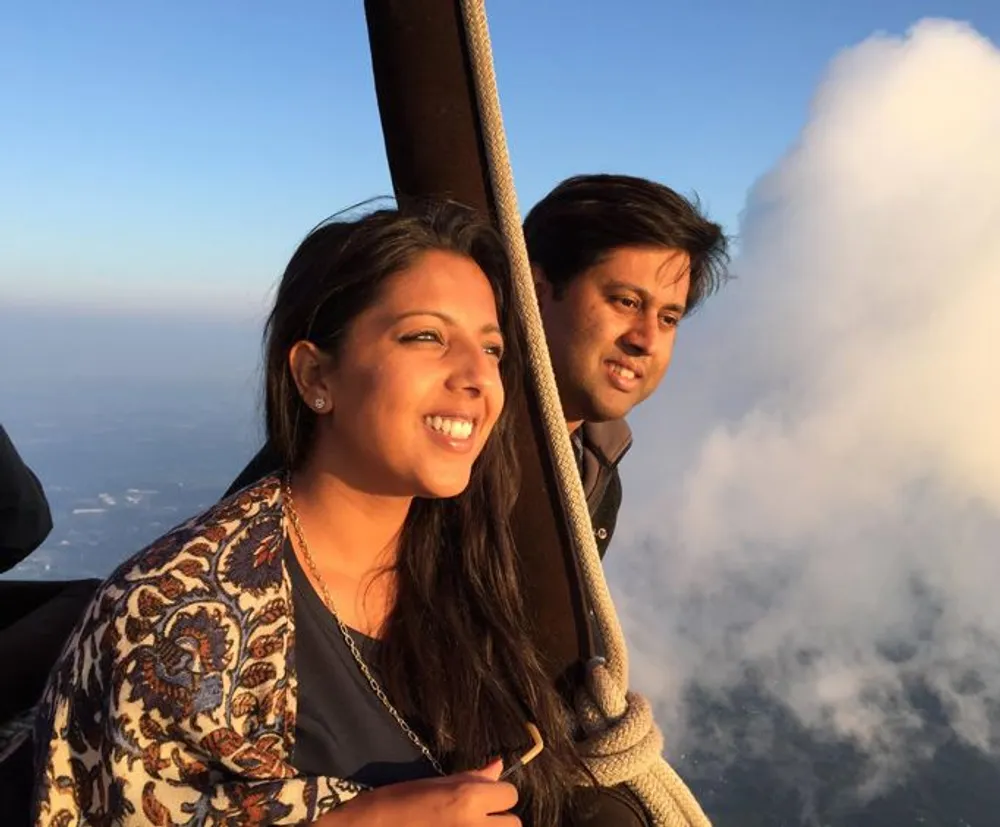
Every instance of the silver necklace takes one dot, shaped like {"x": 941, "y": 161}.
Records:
{"x": 289, "y": 508}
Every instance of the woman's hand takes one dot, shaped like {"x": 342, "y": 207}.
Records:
{"x": 466, "y": 799}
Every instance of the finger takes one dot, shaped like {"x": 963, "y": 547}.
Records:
{"x": 491, "y": 772}
{"x": 499, "y": 797}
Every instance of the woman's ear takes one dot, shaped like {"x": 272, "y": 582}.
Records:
{"x": 311, "y": 369}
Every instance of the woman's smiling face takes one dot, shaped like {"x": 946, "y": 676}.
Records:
{"x": 415, "y": 387}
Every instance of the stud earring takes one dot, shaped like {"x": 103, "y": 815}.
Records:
{"x": 319, "y": 404}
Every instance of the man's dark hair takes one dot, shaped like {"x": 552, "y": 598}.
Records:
{"x": 588, "y": 216}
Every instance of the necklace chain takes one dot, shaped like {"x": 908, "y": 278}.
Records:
{"x": 348, "y": 638}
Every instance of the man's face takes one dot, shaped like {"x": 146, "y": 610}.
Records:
{"x": 611, "y": 331}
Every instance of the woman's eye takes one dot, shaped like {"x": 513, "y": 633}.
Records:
{"x": 424, "y": 336}
{"x": 496, "y": 351}
{"x": 627, "y": 301}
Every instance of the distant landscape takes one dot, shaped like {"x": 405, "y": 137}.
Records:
{"x": 117, "y": 481}
{"x": 806, "y": 562}
{"x": 123, "y": 471}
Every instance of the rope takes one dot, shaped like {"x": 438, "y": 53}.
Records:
{"x": 622, "y": 743}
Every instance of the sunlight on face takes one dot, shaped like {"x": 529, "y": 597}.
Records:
{"x": 611, "y": 332}
{"x": 416, "y": 386}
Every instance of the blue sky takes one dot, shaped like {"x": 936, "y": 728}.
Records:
{"x": 170, "y": 155}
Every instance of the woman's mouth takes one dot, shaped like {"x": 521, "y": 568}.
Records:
{"x": 457, "y": 428}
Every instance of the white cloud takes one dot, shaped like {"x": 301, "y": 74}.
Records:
{"x": 836, "y": 521}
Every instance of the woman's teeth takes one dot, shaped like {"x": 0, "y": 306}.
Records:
{"x": 622, "y": 371}
{"x": 454, "y": 428}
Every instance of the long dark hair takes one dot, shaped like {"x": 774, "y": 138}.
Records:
{"x": 457, "y": 659}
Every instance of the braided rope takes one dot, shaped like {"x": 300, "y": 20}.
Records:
{"x": 622, "y": 743}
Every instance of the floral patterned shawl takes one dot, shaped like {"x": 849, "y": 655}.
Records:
{"x": 174, "y": 700}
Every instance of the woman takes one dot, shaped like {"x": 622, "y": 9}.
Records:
{"x": 343, "y": 644}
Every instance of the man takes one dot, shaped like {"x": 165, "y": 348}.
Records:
{"x": 618, "y": 261}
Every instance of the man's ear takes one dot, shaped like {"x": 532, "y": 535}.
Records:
{"x": 543, "y": 289}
